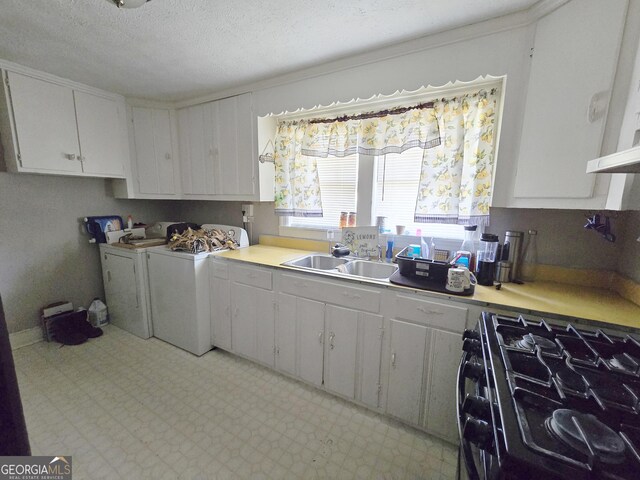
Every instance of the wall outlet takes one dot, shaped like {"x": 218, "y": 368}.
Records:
{"x": 248, "y": 210}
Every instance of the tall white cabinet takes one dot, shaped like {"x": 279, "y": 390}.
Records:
{"x": 572, "y": 71}
{"x": 218, "y": 149}
{"x": 155, "y": 166}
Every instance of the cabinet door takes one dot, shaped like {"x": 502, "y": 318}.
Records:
{"x": 444, "y": 353}
{"x": 370, "y": 328}
{"x": 45, "y": 123}
{"x": 221, "y": 313}
{"x": 235, "y": 146}
{"x": 101, "y": 145}
{"x": 153, "y": 150}
{"x": 342, "y": 337}
{"x": 244, "y": 308}
{"x": 121, "y": 291}
{"x": 265, "y": 328}
{"x": 572, "y": 73}
{"x": 197, "y": 170}
{"x": 253, "y": 322}
{"x": 407, "y": 358}
{"x": 310, "y": 351}
{"x": 286, "y": 327}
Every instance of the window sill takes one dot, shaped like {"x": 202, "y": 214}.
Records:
{"x": 399, "y": 241}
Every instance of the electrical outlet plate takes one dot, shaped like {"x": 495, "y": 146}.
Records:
{"x": 248, "y": 210}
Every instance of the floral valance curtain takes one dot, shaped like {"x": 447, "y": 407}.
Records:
{"x": 298, "y": 144}
{"x": 456, "y": 181}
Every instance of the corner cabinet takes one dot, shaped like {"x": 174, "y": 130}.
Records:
{"x": 52, "y": 128}
{"x": 570, "y": 84}
{"x": 219, "y": 152}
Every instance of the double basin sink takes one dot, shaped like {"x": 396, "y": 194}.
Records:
{"x": 348, "y": 266}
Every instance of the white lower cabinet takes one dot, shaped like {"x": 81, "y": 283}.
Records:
{"x": 220, "y": 305}
{"x": 407, "y": 356}
{"x": 252, "y": 322}
{"x": 331, "y": 345}
{"x": 340, "y": 358}
{"x": 331, "y": 333}
{"x": 252, "y": 313}
{"x": 310, "y": 340}
{"x": 440, "y": 409}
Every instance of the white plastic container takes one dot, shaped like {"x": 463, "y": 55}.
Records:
{"x": 98, "y": 313}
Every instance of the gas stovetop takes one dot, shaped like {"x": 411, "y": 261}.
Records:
{"x": 568, "y": 398}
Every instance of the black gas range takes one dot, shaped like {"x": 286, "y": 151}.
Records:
{"x": 541, "y": 400}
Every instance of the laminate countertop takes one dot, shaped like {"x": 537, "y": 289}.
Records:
{"x": 541, "y": 297}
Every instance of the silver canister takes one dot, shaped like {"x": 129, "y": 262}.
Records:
{"x": 503, "y": 271}
{"x": 512, "y": 252}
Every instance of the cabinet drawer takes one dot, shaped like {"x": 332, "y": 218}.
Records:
{"x": 254, "y": 276}
{"x": 432, "y": 314}
{"x": 220, "y": 270}
{"x": 336, "y": 292}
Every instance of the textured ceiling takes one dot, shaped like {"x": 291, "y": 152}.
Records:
{"x": 179, "y": 49}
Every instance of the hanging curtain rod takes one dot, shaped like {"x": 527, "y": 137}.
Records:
{"x": 381, "y": 113}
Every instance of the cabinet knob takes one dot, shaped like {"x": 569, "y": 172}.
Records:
{"x": 70, "y": 156}
{"x": 167, "y": 156}
{"x": 320, "y": 335}
{"x": 393, "y": 359}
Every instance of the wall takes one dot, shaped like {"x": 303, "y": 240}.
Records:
{"x": 629, "y": 258}
{"x": 562, "y": 239}
{"x": 44, "y": 253}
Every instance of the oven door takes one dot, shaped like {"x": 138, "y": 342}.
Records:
{"x": 474, "y": 463}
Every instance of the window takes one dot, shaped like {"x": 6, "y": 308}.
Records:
{"x": 338, "y": 190}
{"x": 394, "y": 179}
{"x": 396, "y": 188}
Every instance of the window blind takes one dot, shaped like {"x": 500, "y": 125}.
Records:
{"x": 338, "y": 188}
{"x": 397, "y": 180}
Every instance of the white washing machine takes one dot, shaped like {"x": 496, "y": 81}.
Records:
{"x": 126, "y": 286}
{"x": 180, "y": 292}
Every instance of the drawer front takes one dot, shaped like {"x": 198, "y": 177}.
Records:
{"x": 254, "y": 276}
{"x": 336, "y": 293}
{"x": 220, "y": 270}
{"x": 432, "y": 314}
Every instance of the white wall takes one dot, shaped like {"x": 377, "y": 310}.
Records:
{"x": 503, "y": 53}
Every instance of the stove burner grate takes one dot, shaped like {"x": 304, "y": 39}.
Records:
{"x": 529, "y": 341}
{"x": 624, "y": 362}
{"x": 588, "y": 435}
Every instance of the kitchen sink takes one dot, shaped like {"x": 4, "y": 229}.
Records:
{"x": 344, "y": 266}
{"x": 317, "y": 262}
{"x": 365, "y": 268}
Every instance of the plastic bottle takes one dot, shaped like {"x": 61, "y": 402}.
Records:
{"x": 530, "y": 260}
{"x": 470, "y": 244}
{"x": 98, "y": 313}
{"x": 130, "y": 222}
{"x": 424, "y": 248}
{"x": 389, "y": 248}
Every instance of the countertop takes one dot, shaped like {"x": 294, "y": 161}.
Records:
{"x": 540, "y": 297}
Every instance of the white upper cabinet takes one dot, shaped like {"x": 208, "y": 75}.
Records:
{"x": 45, "y": 126}
{"x": 100, "y": 141}
{"x": 218, "y": 150}
{"x": 55, "y": 129}
{"x": 154, "y": 165}
{"x": 573, "y": 66}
